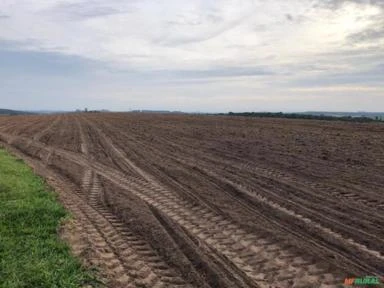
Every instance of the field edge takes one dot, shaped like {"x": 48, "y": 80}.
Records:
{"x": 34, "y": 223}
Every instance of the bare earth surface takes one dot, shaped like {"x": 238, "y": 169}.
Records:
{"x": 204, "y": 201}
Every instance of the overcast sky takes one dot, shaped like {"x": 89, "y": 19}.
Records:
{"x": 197, "y": 55}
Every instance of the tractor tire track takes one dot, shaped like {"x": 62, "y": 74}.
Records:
{"x": 254, "y": 259}
{"x": 263, "y": 261}
{"x": 300, "y": 204}
{"x": 251, "y": 254}
{"x": 41, "y": 133}
{"x": 113, "y": 154}
{"x": 313, "y": 214}
{"x": 153, "y": 272}
{"x": 141, "y": 262}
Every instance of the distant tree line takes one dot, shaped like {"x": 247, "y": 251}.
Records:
{"x": 305, "y": 116}
{"x": 9, "y": 112}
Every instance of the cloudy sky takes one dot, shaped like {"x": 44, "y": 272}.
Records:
{"x": 198, "y": 55}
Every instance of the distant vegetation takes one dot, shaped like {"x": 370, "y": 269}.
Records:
{"x": 13, "y": 112}
{"x": 316, "y": 116}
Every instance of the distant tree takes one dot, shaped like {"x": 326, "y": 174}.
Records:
{"x": 305, "y": 116}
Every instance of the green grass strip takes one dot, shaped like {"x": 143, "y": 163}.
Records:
{"x": 31, "y": 252}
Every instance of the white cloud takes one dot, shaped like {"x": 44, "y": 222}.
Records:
{"x": 174, "y": 34}
{"x": 263, "y": 43}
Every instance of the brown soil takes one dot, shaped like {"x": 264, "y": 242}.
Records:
{"x": 202, "y": 201}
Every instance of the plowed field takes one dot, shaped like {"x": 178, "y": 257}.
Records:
{"x": 209, "y": 201}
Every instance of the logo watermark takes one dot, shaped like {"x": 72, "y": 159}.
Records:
{"x": 367, "y": 280}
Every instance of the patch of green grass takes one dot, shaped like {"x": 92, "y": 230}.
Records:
{"x": 31, "y": 252}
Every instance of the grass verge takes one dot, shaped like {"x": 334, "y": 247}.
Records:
{"x": 31, "y": 252}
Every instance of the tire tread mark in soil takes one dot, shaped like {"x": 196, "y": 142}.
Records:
{"x": 115, "y": 154}
{"x": 303, "y": 218}
{"x": 88, "y": 222}
{"x": 83, "y": 144}
{"x": 273, "y": 205}
{"x": 317, "y": 216}
{"x": 191, "y": 218}
{"x": 278, "y": 175}
{"x": 142, "y": 263}
{"x": 283, "y": 177}
{"x": 262, "y": 260}
{"x": 40, "y": 134}
{"x": 328, "y": 190}
{"x": 118, "y": 251}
